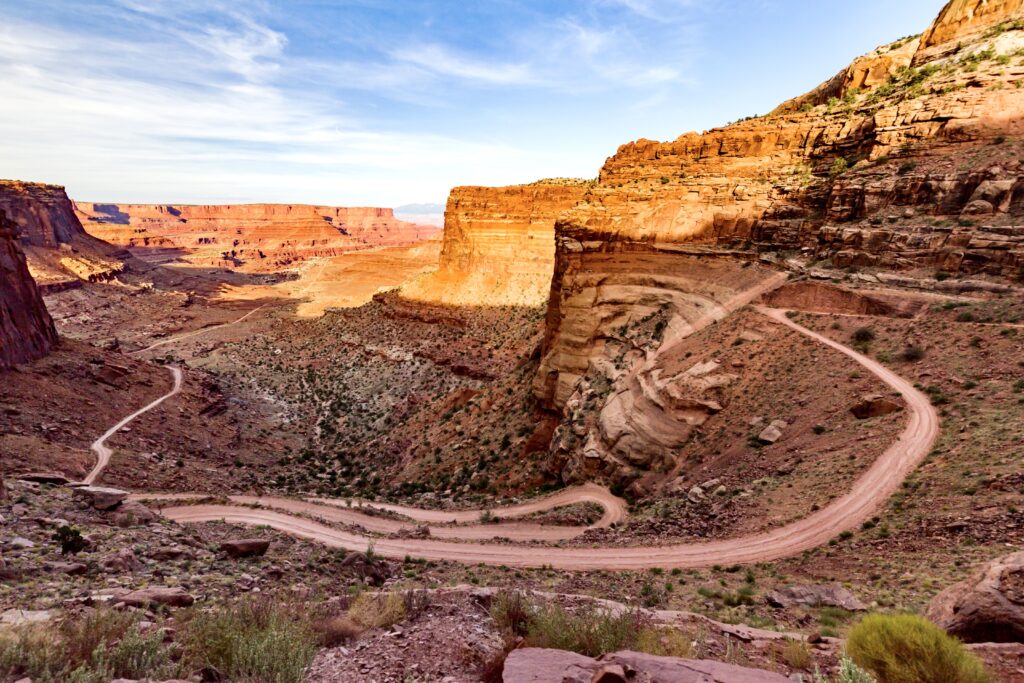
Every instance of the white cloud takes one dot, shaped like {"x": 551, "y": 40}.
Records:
{"x": 441, "y": 60}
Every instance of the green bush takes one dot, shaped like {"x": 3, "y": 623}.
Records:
{"x": 906, "y": 648}
{"x": 589, "y": 630}
{"x": 255, "y": 640}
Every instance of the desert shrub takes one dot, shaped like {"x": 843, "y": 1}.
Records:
{"x": 510, "y": 611}
{"x": 336, "y": 630}
{"x": 378, "y": 610}
{"x": 863, "y": 335}
{"x": 906, "y": 648}
{"x": 912, "y": 354}
{"x": 70, "y": 539}
{"x": 664, "y": 642}
{"x": 255, "y": 640}
{"x": 796, "y": 654}
{"x": 96, "y": 647}
{"x": 590, "y": 631}
{"x": 838, "y": 168}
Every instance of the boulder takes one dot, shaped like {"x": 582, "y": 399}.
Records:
{"x": 772, "y": 432}
{"x": 100, "y": 497}
{"x": 122, "y": 562}
{"x": 987, "y": 607}
{"x": 158, "y": 595}
{"x": 815, "y": 596}
{"x": 245, "y": 547}
{"x": 45, "y": 478}
{"x": 372, "y": 571}
{"x": 131, "y": 513}
{"x": 69, "y": 568}
{"x": 19, "y": 617}
{"x": 875, "y": 406}
{"x": 537, "y": 665}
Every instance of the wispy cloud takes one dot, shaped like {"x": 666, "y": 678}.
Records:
{"x": 441, "y": 60}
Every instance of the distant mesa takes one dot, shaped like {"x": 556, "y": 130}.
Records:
{"x": 430, "y": 214}
{"x": 247, "y": 237}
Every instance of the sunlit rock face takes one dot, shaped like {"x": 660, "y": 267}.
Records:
{"x": 907, "y": 159}
{"x": 499, "y": 244}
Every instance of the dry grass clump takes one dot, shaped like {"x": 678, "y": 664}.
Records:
{"x": 905, "y": 648}
{"x": 377, "y": 610}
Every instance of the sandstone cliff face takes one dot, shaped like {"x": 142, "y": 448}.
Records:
{"x": 247, "y": 236}
{"x": 886, "y": 166}
{"x": 57, "y": 247}
{"x": 26, "y": 329}
{"x": 498, "y": 245}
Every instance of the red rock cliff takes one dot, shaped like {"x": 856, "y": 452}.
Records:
{"x": 498, "y": 244}
{"x": 910, "y": 160}
{"x": 57, "y": 247}
{"x": 248, "y": 236}
{"x": 26, "y": 329}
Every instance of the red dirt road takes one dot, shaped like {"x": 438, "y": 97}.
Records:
{"x": 868, "y": 494}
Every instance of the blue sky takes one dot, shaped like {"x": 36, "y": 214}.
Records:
{"x": 369, "y": 102}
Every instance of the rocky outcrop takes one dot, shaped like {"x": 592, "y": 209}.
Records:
{"x": 258, "y": 237}
{"x": 988, "y": 607}
{"x": 888, "y": 166}
{"x": 815, "y": 596}
{"x": 537, "y": 665}
{"x": 962, "y": 18}
{"x": 26, "y": 328}
{"x": 498, "y": 244}
{"x": 58, "y": 249}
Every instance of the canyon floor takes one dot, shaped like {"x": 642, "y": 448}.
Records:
{"x": 406, "y": 428}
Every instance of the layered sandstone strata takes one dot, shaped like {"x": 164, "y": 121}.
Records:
{"x": 26, "y": 329}
{"x": 259, "y": 237}
{"x": 499, "y": 244}
{"x": 887, "y": 166}
{"x": 58, "y": 248}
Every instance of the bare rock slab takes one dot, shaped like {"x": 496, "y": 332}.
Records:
{"x": 537, "y": 665}
{"x": 45, "y": 478}
{"x": 875, "y": 406}
{"x": 245, "y": 547}
{"x": 815, "y": 596}
{"x": 157, "y": 595}
{"x": 100, "y": 497}
{"x": 987, "y": 607}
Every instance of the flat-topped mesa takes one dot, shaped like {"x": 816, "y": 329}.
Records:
{"x": 897, "y": 163}
{"x": 247, "y": 236}
{"x": 58, "y": 248}
{"x": 26, "y": 328}
{"x": 498, "y": 244}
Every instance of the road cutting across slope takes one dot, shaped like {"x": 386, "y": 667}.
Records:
{"x": 99, "y": 446}
{"x": 869, "y": 492}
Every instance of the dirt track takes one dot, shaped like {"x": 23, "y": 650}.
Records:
{"x": 869, "y": 492}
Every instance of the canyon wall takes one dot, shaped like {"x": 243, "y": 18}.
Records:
{"x": 260, "y": 237}
{"x": 499, "y": 244}
{"x": 58, "y": 248}
{"x": 26, "y": 329}
{"x": 911, "y": 159}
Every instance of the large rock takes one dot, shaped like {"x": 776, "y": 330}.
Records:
{"x": 815, "y": 596}
{"x": 44, "y": 478}
{"x": 988, "y": 607}
{"x": 158, "y": 595}
{"x": 245, "y": 547}
{"x": 536, "y": 665}
{"x": 132, "y": 513}
{"x": 875, "y": 406}
{"x": 100, "y": 497}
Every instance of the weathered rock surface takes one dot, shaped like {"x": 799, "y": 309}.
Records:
{"x": 26, "y": 328}
{"x": 254, "y": 237}
{"x": 100, "y": 497}
{"x": 875, "y": 406}
{"x": 58, "y": 249}
{"x": 868, "y": 171}
{"x": 158, "y": 595}
{"x": 537, "y": 665}
{"x": 245, "y": 547}
{"x": 988, "y": 607}
{"x": 498, "y": 245}
{"x": 815, "y": 596}
{"x": 131, "y": 513}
